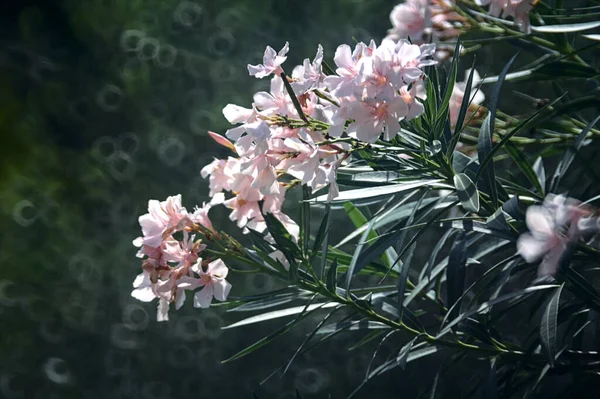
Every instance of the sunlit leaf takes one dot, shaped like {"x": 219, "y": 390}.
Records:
{"x": 548, "y": 329}
{"x": 467, "y": 192}
{"x": 566, "y": 28}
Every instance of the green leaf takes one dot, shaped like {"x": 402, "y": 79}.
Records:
{"x": 309, "y": 337}
{"x": 405, "y": 351}
{"x": 354, "y": 325}
{"x": 281, "y": 313}
{"x": 486, "y": 305}
{"x": 564, "y": 164}
{"x": 464, "y": 107}
{"x": 269, "y": 302}
{"x": 356, "y": 264}
{"x": 484, "y": 141}
{"x": 331, "y": 282}
{"x": 538, "y": 168}
{"x": 434, "y": 254}
{"x": 305, "y": 220}
{"x": 470, "y": 225}
{"x": 323, "y": 231}
{"x": 484, "y": 147}
{"x": 548, "y": 330}
{"x": 363, "y": 193}
{"x": 284, "y": 240}
{"x": 467, "y": 192}
{"x": 265, "y": 340}
{"x": 566, "y": 28}
{"x": 456, "y": 273}
{"x": 524, "y": 165}
{"x": 592, "y": 37}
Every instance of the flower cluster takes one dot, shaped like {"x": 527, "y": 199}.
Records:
{"x": 552, "y": 225}
{"x": 173, "y": 266}
{"x": 422, "y": 19}
{"x": 374, "y": 89}
{"x": 517, "y": 9}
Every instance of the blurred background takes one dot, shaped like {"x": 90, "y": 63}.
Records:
{"x": 105, "y": 104}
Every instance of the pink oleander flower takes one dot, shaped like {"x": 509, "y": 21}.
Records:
{"x": 212, "y": 280}
{"x": 162, "y": 218}
{"x": 165, "y": 289}
{"x": 417, "y": 90}
{"x": 271, "y": 62}
{"x": 222, "y": 174}
{"x": 347, "y": 61}
{"x": 200, "y": 216}
{"x": 458, "y": 93}
{"x": 309, "y": 75}
{"x": 277, "y": 101}
{"x": 518, "y": 9}
{"x": 373, "y": 118}
{"x": 418, "y": 19}
{"x": 551, "y": 227}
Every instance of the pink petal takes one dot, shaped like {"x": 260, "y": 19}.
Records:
{"x": 203, "y": 298}
{"x": 221, "y": 290}
{"x": 538, "y": 222}
{"x": 530, "y": 248}
{"x": 217, "y": 268}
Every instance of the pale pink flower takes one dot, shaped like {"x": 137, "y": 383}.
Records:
{"x": 242, "y": 211}
{"x": 235, "y": 115}
{"x": 344, "y": 83}
{"x": 221, "y": 174}
{"x": 184, "y": 252}
{"x": 200, "y": 216}
{"x": 275, "y": 102}
{"x": 417, "y": 90}
{"x": 418, "y": 19}
{"x": 308, "y": 75}
{"x": 271, "y": 62}
{"x": 212, "y": 280}
{"x": 408, "y": 20}
{"x": 373, "y": 118}
{"x": 552, "y": 226}
{"x": 160, "y": 219}
{"x": 518, "y": 9}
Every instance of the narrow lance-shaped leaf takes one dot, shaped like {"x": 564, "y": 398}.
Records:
{"x": 566, "y": 28}
{"x": 305, "y": 220}
{"x": 484, "y": 147}
{"x": 323, "y": 230}
{"x": 562, "y": 167}
{"x": 389, "y": 189}
{"x": 404, "y": 352}
{"x": 540, "y": 172}
{"x": 486, "y": 305}
{"x": 548, "y": 329}
{"x": 484, "y": 142}
{"x": 331, "y": 282}
{"x": 306, "y": 310}
{"x": 467, "y": 192}
{"x": 464, "y": 106}
{"x": 284, "y": 241}
{"x": 456, "y": 272}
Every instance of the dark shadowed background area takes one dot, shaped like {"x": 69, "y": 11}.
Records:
{"x": 105, "y": 104}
